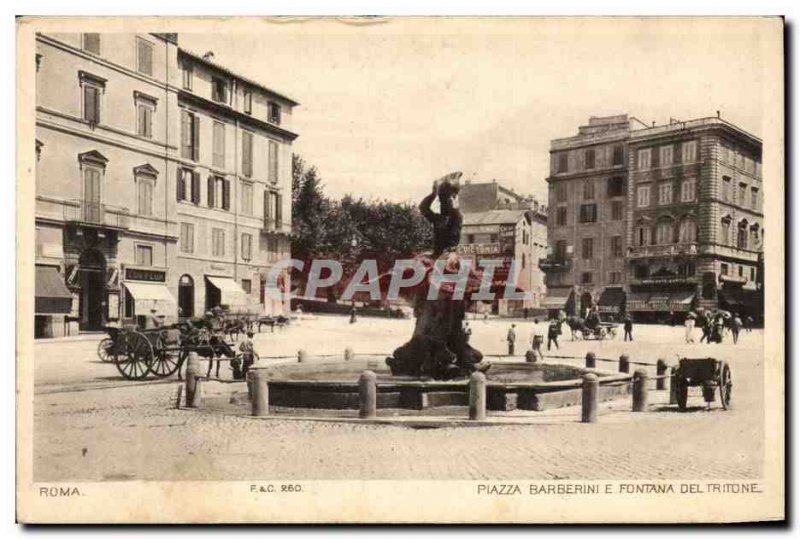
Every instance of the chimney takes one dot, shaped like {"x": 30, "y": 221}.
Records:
{"x": 718, "y": 114}
{"x": 208, "y": 55}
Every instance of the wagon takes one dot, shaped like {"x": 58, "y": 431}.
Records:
{"x": 707, "y": 372}
{"x": 603, "y": 330}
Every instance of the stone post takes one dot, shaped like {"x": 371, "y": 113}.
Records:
{"x": 590, "y": 393}
{"x": 348, "y": 354}
{"x": 624, "y": 363}
{"x": 367, "y": 395}
{"x": 673, "y": 387}
{"x": 193, "y": 372}
{"x": 591, "y": 360}
{"x": 640, "y": 390}
{"x": 477, "y": 396}
{"x": 661, "y": 368}
{"x": 302, "y": 356}
{"x": 260, "y": 393}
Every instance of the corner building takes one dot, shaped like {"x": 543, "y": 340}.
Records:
{"x": 587, "y": 189}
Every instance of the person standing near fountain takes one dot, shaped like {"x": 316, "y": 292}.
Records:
{"x": 511, "y": 338}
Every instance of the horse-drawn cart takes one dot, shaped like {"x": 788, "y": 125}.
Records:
{"x": 706, "y": 372}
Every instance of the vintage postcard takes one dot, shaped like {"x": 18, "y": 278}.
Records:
{"x": 400, "y": 270}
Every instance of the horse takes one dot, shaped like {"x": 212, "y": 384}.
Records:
{"x": 576, "y": 325}
{"x": 206, "y": 345}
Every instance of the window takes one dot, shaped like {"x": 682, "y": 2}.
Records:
{"x": 217, "y": 242}
{"x": 665, "y": 193}
{"x": 247, "y": 198}
{"x": 723, "y": 269}
{"x": 190, "y": 135}
{"x": 144, "y": 57}
{"x": 588, "y": 213}
{"x": 642, "y": 236}
{"x": 754, "y": 240}
{"x": 278, "y": 209}
{"x": 561, "y": 250}
{"x": 689, "y": 151}
{"x": 145, "y": 107}
{"x": 273, "y": 113}
{"x": 188, "y": 76}
{"x": 616, "y": 210}
{"x": 247, "y": 286}
{"x": 187, "y": 238}
{"x": 586, "y": 277}
{"x": 589, "y": 159}
{"x": 616, "y": 246}
{"x": 664, "y": 232}
{"x": 754, "y": 198}
{"x": 247, "y": 98}
{"x": 144, "y": 255}
{"x": 189, "y": 185}
{"x": 561, "y": 163}
{"x": 145, "y": 188}
{"x": 619, "y": 155}
{"x": 643, "y": 196}
{"x": 725, "y": 231}
{"x": 219, "y": 193}
{"x": 687, "y": 231}
{"x": 615, "y": 186}
{"x": 741, "y": 235}
{"x": 726, "y": 188}
{"x": 752, "y": 274}
{"x": 247, "y": 153}
{"x": 665, "y": 155}
{"x": 688, "y": 189}
{"x": 588, "y": 190}
{"x": 742, "y": 194}
{"x": 561, "y": 216}
{"x": 219, "y": 90}
{"x": 614, "y": 277}
{"x": 273, "y": 161}
{"x": 91, "y": 43}
{"x": 561, "y": 192}
{"x": 643, "y": 157}
{"x": 91, "y": 102}
{"x": 587, "y": 248}
{"x": 247, "y": 246}
{"x": 219, "y": 145}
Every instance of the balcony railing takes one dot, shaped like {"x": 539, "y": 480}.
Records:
{"x": 652, "y": 251}
{"x": 96, "y": 213}
{"x": 555, "y": 264}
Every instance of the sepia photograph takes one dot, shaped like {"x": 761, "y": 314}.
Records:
{"x": 400, "y": 269}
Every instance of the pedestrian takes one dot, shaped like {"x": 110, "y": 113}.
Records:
{"x": 748, "y": 324}
{"x": 537, "y": 339}
{"x": 353, "y": 314}
{"x": 628, "y": 326}
{"x": 553, "y": 331}
{"x": 736, "y": 327}
{"x": 525, "y": 312}
{"x": 485, "y": 317}
{"x": 690, "y": 328}
{"x": 248, "y": 354}
{"x": 511, "y": 337}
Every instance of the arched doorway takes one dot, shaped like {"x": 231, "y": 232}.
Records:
{"x": 586, "y": 304}
{"x": 186, "y": 296}
{"x": 92, "y": 271}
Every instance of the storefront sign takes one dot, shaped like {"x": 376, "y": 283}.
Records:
{"x": 479, "y": 249}
{"x": 134, "y": 274}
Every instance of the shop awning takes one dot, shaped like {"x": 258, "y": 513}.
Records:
{"x": 681, "y": 301}
{"x": 739, "y": 299}
{"x": 52, "y": 295}
{"x": 152, "y": 296}
{"x": 231, "y": 293}
{"x": 610, "y": 299}
{"x": 556, "y": 298}
{"x": 637, "y": 301}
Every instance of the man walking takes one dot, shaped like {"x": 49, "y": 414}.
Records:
{"x": 553, "y": 331}
{"x": 511, "y": 337}
{"x": 690, "y": 328}
{"x": 736, "y": 327}
{"x": 628, "y": 325}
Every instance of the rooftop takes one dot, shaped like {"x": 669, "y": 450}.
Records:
{"x": 692, "y": 124}
{"x": 494, "y": 217}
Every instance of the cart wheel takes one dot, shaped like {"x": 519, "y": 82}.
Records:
{"x": 682, "y": 390}
{"x": 165, "y": 361}
{"x": 105, "y": 350}
{"x": 725, "y": 385}
{"x": 136, "y": 356}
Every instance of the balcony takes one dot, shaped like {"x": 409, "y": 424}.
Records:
{"x": 96, "y": 213}
{"x": 275, "y": 226}
{"x": 662, "y": 251}
{"x": 553, "y": 264}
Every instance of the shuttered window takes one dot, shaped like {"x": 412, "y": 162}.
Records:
{"x": 247, "y": 153}
{"x": 212, "y": 186}
{"x": 247, "y": 246}
{"x": 217, "y": 242}
{"x": 91, "y": 43}
{"x": 187, "y": 238}
{"x": 145, "y": 197}
{"x": 144, "y": 120}
{"x": 279, "y": 210}
{"x": 196, "y": 187}
{"x": 181, "y": 194}
{"x": 219, "y": 144}
{"x": 91, "y": 104}
{"x": 144, "y": 57}
{"x": 273, "y": 161}
{"x": 247, "y": 198}
{"x": 190, "y": 135}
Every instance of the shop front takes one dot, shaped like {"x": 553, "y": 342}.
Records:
{"x": 147, "y": 297}
{"x": 559, "y": 299}
{"x": 664, "y": 305}
{"x": 52, "y": 303}
{"x": 612, "y": 302}
{"x": 225, "y": 292}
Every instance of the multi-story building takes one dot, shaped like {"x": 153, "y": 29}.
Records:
{"x": 112, "y": 185}
{"x": 695, "y": 218}
{"x": 587, "y": 187}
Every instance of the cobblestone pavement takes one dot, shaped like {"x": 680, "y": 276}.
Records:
{"x": 89, "y": 425}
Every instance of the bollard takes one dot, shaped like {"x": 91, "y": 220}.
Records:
{"x": 591, "y": 390}
{"x": 302, "y": 356}
{"x": 640, "y": 390}
{"x": 192, "y": 374}
{"x": 250, "y": 380}
{"x": 591, "y": 360}
{"x": 673, "y": 387}
{"x": 348, "y": 354}
{"x": 367, "y": 395}
{"x": 624, "y": 363}
{"x": 260, "y": 393}
{"x": 477, "y": 396}
{"x": 530, "y": 356}
{"x": 661, "y": 368}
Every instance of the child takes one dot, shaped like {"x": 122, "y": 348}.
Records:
{"x": 248, "y": 355}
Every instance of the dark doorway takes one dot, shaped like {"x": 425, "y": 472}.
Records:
{"x": 186, "y": 296}
{"x": 92, "y": 266}
{"x": 213, "y": 296}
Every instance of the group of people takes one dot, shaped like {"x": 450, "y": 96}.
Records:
{"x": 714, "y": 325}
{"x": 552, "y": 332}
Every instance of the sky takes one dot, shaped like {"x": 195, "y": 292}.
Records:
{"x": 387, "y": 108}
